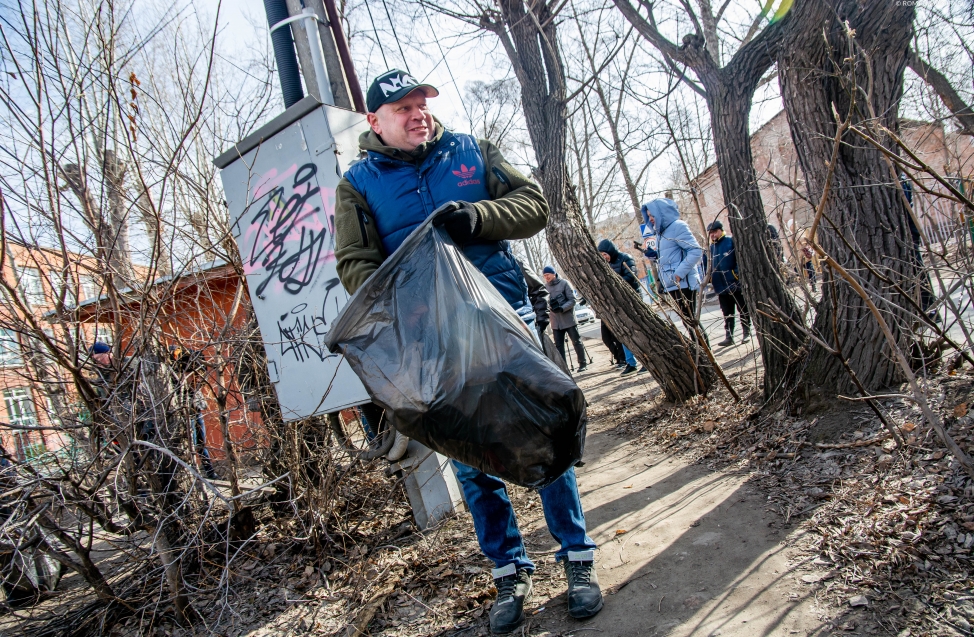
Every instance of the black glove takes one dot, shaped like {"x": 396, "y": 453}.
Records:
{"x": 637, "y": 245}
{"x": 461, "y": 221}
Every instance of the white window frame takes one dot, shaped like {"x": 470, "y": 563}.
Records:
{"x": 104, "y": 334}
{"x": 21, "y": 411}
{"x": 31, "y": 285}
{"x": 10, "y": 352}
{"x": 89, "y": 287}
{"x": 57, "y": 280}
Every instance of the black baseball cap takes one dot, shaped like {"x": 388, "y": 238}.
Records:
{"x": 392, "y": 86}
{"x": 716, "y": 225}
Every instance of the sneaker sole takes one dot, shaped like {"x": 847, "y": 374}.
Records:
{"x": 507, "y": 630}
{"x": 585, "y": 613}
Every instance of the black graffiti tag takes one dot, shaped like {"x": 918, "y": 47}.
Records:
{"x": 302, "y": 331}
{"x": 295, "y": 235}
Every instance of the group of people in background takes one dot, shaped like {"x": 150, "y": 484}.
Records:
{"x": 678, "y": 257}
{"x": 683, "y": 267}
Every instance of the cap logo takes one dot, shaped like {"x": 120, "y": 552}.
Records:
{"x": 392, "y": 84}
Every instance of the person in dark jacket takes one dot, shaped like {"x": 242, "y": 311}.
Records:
{"x": 561, "y": 300}
{"x": 727, "y": 282}
{"x": 774, "y": 242}
{"x": 538, "y": 295}
{"x": 413, "y": 167}
{"x": 616, "y": 349}
{"x": 623, "y": 265}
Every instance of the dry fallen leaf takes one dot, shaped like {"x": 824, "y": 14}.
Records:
{"x": 960, "y": 410}
{"x": 628, "y": 487}
{"x": 909, "y": 426}
{"x": 709, "y": 425}
{"x": 620, "y": 531}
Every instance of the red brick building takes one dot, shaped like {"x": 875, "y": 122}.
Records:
{"x": 205, "y": 311}
{"x": 35, "y": 392}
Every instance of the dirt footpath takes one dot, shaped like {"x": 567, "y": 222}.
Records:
{"x": 684, "y": 550}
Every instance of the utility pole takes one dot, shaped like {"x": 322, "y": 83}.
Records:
{"x": 322, "y": 37}
{"x": 313, "y": 29}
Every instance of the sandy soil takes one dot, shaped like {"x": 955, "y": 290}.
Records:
{"x": 683, "y": 549}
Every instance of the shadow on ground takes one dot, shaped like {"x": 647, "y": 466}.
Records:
{"x": 683, "y": 551}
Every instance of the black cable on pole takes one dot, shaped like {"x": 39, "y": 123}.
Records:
{"x": 399, "y": 44}
{"x": 376, "y": 32}
{"x": 287, "y": 61}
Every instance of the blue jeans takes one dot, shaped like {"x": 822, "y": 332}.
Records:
{"x": 493, "y": 517}
{"x": 630, "y": 359}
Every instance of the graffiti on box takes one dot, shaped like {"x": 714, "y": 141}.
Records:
{"x": 288, "y": 238}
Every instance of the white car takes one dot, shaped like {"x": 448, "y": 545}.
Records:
{"x": 584, "y": 315}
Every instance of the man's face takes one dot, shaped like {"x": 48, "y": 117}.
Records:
{"x": 652, "y": 220}
{"x": 548, "y": 277}
{"x": 404, "y": 124}
{"x": 715, "y": 235}
{"x": 605, "y": 255}
{"x": 104, "y": 360}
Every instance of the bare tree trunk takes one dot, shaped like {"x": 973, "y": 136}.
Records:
{"x": 119, "y": 252}
{"x": 533, "y": 51}
{"x": 865, "y": 211}
{"x": 161, "y": 256}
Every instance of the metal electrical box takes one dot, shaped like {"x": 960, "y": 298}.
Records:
{"x": 280, "y": 187}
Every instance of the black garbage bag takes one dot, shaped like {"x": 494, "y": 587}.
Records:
{"x": 454, "y": 366}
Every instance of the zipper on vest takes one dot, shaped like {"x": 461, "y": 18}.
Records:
{"x": 362, "y": 222}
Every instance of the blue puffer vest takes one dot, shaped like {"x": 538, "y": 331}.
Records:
{"x": 402, "y": 195}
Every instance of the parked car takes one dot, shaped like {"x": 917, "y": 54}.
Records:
{"x": 583, "y": 313}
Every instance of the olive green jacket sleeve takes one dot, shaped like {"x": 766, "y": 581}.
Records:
{"x": 357, "y": 245}
{"x": 516, "y": 210}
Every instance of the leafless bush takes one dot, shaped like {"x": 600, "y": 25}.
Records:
{"x": 114, "y": 231}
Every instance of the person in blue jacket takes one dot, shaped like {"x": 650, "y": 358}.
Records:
{"x": 677, "y": 256}
{"x": 727, "y": 282}
{"x": 413, "y": 166}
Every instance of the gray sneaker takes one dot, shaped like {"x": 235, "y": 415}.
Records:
{"x": 584, "y": 594}
{"x": 513, "y": 591}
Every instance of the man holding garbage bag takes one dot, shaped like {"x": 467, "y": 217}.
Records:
{"x": 413, "y": 166}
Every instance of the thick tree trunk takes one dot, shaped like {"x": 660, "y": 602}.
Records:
{"x": 729, "y": 91}
{"x": 656, "y": 343}
{"x": 533, "y": 52}
{"x": 865, "y": 210}
{"x": 730, "y": 105}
